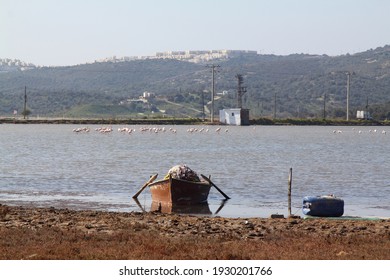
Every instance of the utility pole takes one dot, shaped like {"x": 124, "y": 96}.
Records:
{"x": 348, "y": 85}
{"x": 25, "y": 103}
{"x": 324, "y": 116}
{"x": 203, "y": 115}
{"x": 213, "y": 66}
{"x": 240, "y": 90}
{"x": 275, "y": 105}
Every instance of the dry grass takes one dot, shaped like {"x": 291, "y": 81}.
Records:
{"x": 55, "y": 243}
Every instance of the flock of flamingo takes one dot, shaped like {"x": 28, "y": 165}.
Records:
{"x": 128, "y": 130}
{"x": 361, "y": 131}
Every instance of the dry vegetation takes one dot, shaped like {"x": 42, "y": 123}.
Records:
{"x": 34, "y": 233}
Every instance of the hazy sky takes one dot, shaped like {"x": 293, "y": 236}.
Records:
{"x": 68, "y": 32}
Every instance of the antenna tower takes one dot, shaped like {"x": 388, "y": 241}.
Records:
{"x": 241, "y": 90}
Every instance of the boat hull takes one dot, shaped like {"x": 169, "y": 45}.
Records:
{"x": 176, "y": 191}
{"x": 323, "y": 206}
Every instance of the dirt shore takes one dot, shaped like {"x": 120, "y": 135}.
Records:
{"x": 49, "y": 233}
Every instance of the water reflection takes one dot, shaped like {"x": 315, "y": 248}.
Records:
{"x": 169, "y": 208}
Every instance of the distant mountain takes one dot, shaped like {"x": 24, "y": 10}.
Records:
{"x": 296, "y": 83}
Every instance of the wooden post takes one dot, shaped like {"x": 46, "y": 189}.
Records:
{"x": 289, "y": 192}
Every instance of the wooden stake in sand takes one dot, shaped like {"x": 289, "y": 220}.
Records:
{"x": 289, "y": 191}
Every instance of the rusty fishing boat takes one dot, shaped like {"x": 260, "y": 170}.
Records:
{"x": 180, "y": 191}
{"x": 181, "y": 186}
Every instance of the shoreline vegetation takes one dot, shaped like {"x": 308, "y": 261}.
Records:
{"x": 50, "y": 233}
{"x": 190, "y": 121}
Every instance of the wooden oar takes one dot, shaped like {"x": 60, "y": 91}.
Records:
{"x": 139, "y": 204}
{"x": 218, "y": 189}
{"x": 221, "y": 206}
{"x": 145, "y": 185}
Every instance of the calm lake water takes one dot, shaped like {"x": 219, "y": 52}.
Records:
{"x": 50, "y": 165}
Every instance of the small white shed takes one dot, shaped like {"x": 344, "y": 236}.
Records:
{"x": 234, "y": 116}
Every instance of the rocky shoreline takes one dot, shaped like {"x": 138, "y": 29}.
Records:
{"x": 172, "y": 224}
{"x": 199, "y": 228}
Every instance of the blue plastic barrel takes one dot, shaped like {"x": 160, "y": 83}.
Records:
{"x": 323, "y": 206}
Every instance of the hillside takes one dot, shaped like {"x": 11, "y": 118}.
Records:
{"x": 296, "y": 83}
